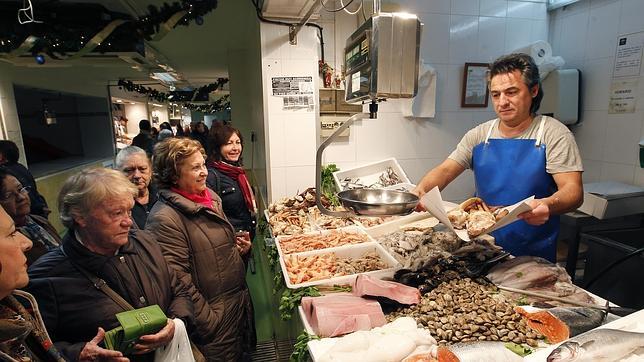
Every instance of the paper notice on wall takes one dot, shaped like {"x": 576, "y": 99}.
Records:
{"x": 623, "y": 96}
{"x": 628, "y": 56}
{"x": 292, "y": 86}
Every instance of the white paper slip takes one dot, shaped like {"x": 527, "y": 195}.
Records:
{"x": 433, "y": 202}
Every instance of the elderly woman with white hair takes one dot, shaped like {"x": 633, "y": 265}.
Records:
{"x": 95, "y": 206}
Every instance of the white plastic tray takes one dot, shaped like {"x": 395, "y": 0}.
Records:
{"x": 347, "y": 229}
{"x": 346, "y": 251}
{"x": 395, "y": 224}
{"x": 370, "y": 173}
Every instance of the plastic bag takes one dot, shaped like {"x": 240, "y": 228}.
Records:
{"x": 178, "y": 350}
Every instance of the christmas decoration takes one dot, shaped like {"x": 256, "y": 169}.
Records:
{"x": 175, "y": 96}
{"x": 80, "y": 27}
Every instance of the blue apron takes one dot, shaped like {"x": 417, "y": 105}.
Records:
{"x": 507, "y": 171}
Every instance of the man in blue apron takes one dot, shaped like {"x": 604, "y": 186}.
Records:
{"x": 517, "y": 155}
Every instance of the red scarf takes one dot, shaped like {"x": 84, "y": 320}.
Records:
{"x": 204, "y": 198}
{"x": 238, "y": 174}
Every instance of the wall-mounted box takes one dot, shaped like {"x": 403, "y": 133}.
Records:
{"x": 327, "y": 100}
{"x": 332, "y": 101}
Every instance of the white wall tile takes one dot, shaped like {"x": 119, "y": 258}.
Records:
{"x": 622, "y": 138}
{"x": 617, "y": 172}
{"x": 277, "y": 183}
{"x": 498, "y": 8}
{"x": 517, "y": 34}
{"x": 539, "y": 31}
{"x": 435, "y": 38}
{"x": 630, "y": 19}
{"x": 441, "y": 85}
{"x": 491, "y": 38}
{"x": 573, "y": 36}
{"x": 434, "y": 6}
{"x": 602, "y": 30}
{"x": 521, "y": 9}
{"x": 299, "y": 178}
{"x": 451, "y": 96}
{"x": 592, "y": 171}
{"x": 554, "y": 33}
{"x": 596, "y": 78}
{"x": 465, "y": 7}
{"x": 463, "y": 34}
{"x": 575, "y": 8}
{"x": 299, "y": 144}
{"x": 590, "y": 135}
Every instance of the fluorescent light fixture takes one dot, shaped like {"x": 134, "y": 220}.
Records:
{"x": 119, "y": 101}
{"x": 157, "y": 105}
{"x": 164, "y": 77}
{"x": 132, "y": 103}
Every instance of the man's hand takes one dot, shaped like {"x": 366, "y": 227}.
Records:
{"x": 539, "y": 215}
{"x": 150, "y": 342}
{"x": 418, "y": 192}
{"x": 92, "y": 352}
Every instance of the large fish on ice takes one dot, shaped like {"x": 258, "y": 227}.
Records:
{"x": 598, "y": 345}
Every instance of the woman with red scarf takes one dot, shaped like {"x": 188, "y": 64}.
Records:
{"x": 227, "y": 178}
{"x": 200, "y": 243}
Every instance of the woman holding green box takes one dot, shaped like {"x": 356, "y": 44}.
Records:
{"x": 98, "y": 248}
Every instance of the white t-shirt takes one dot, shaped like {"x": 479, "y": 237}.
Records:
{"x": 562, "y": 154}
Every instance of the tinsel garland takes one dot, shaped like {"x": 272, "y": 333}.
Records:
{"x": 175, "y": 96}
{"x": 220, "y": 104}
{"x": 66, "y": 27}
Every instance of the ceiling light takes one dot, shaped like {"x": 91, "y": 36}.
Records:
{"x": 132, "y": 103}
{"x": 157, "y": 105}
{"x": 164, "y": 77}
{"x": 119, "y": 101}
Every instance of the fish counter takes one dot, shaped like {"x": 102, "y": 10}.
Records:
{"x": 410, "y": 289}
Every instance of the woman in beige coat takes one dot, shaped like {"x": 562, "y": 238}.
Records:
{"x": 199, "y": 242}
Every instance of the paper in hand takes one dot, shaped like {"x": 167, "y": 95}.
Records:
{"x": 433, "y": 202}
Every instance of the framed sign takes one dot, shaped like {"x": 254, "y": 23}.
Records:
{"x": 475, "y": 91}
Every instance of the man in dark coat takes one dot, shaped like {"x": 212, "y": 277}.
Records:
{"x": 144, "y": 139}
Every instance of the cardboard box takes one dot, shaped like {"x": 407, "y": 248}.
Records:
{"x": 605, "y": 200}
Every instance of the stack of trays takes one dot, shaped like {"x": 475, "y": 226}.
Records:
{"x": 369, "y": 176}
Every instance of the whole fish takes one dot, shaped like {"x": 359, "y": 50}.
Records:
{"x": 598, "y": 345}
{"x": 561, "y": 323}
{"x": 476, "y": 352}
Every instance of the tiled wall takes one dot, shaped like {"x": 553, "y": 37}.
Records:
{"x": 585, "y": 34}
{"x": 454, "y": 32}
{"x": 290, "y": 134}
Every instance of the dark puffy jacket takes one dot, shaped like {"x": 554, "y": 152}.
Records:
{"x": 232, "y": 200}
{"x": 73, "y": 309}
{"x": 199, "y": 243}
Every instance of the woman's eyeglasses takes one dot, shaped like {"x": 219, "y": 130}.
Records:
{"x": 14, "y": 194}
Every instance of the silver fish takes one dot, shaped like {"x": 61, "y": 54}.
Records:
{"x": 598, "y": 345}
{"x": 478, "y": 351}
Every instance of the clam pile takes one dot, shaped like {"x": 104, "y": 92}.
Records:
{"x": 463, "y": 310}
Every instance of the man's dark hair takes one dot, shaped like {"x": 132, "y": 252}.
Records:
{"x": 9, "y": 150}
{"x": 528, "y": 69}
{"x": 144, "y": 125}
{"x": 165, "y": 125}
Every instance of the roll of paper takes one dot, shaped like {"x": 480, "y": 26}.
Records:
{"x": 540, "y": 51}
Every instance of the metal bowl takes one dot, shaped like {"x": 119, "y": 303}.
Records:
{"x": 378, "y": 202}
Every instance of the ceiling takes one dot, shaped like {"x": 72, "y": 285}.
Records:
{"x": 198, "y": 53}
